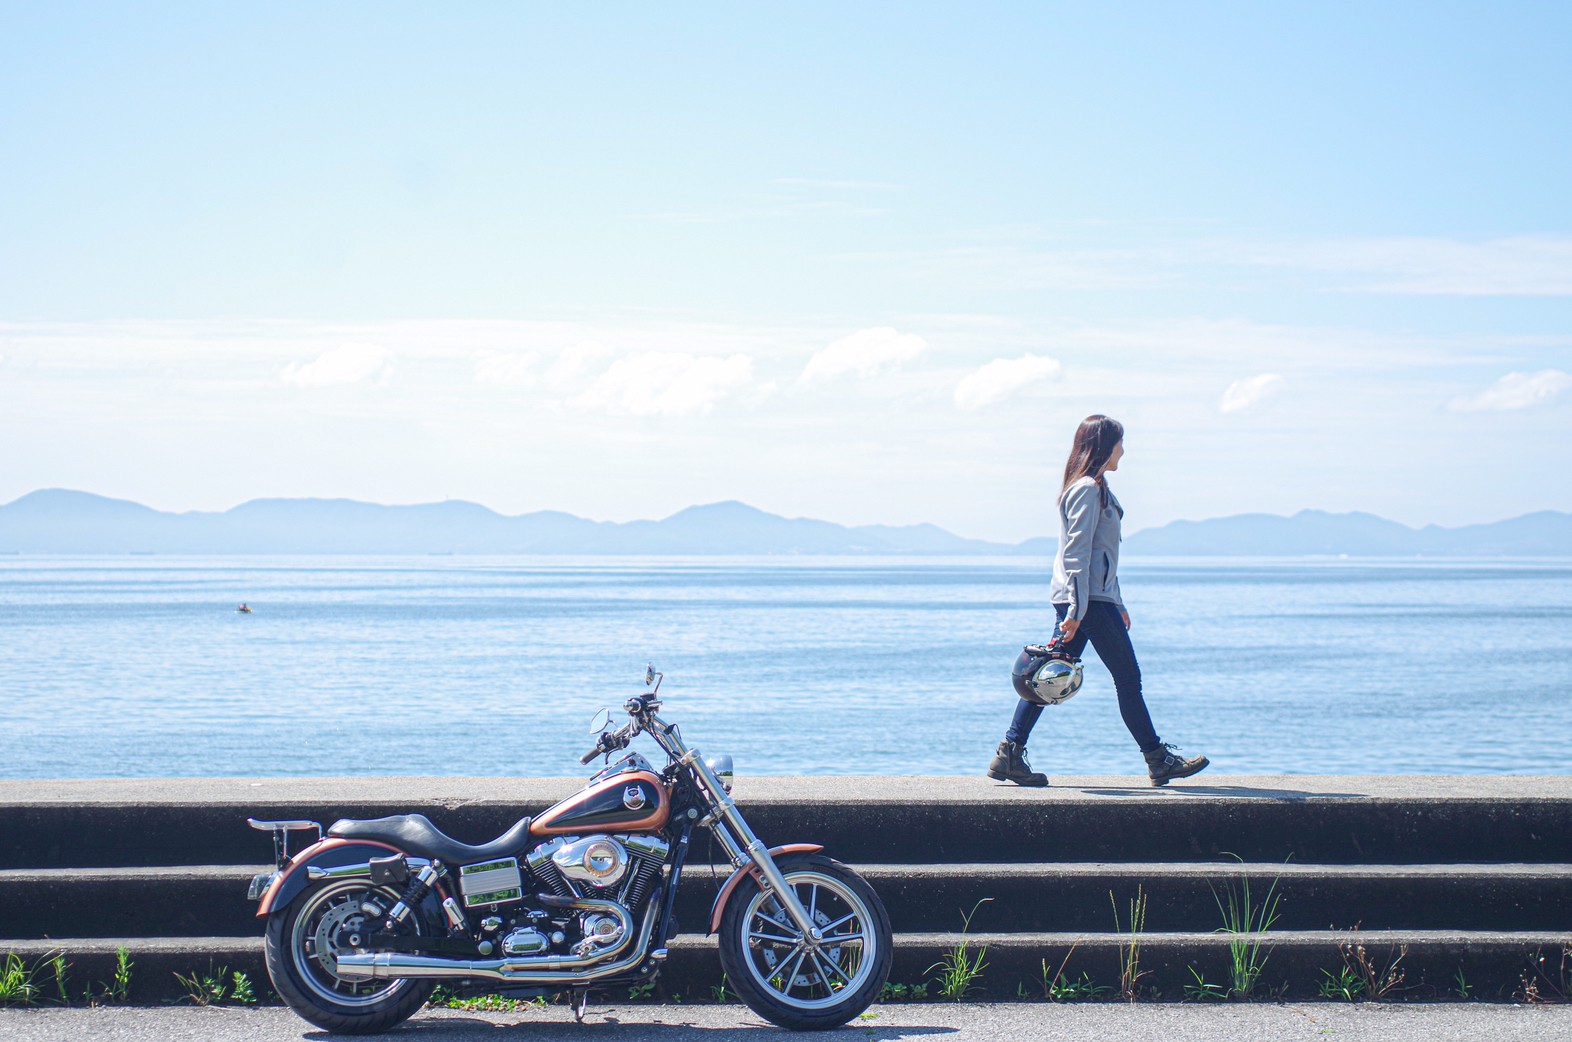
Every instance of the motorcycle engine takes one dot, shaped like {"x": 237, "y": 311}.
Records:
{"x": 600, "y": 861}
{"x": 618, "y": 868}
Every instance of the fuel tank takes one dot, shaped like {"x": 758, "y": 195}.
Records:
{"x": 631, "y": 801}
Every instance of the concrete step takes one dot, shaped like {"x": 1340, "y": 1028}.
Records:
{"x": 1494, "y": 965}
{"x": 209, "y": 900}
{"x": 1326, "y": 820}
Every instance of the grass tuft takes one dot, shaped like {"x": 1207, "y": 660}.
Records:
{"x": 1460, "y": 986}
{"x": 217, "y": 986}
{"x": 1244, "y": 920}
{"x": 1130, "y": 972}
{"x": 119, "y": 989}
{"x": 892, "y": 992}
{"x": 1345, "y": 984}
{"x": 1365, "y": 975}
{"x": 16, "y": 982}
{"x": 960, "y": 969}
{"x": 1203, "y": 990}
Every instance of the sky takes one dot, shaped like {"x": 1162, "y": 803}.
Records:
{"x": 868, "y": 262}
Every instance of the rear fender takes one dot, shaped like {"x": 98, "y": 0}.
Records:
{"x": 752, "y": 868}
{"x": 326, "y": 853}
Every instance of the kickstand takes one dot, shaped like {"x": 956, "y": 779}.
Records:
{"x": 578, "y": 1001}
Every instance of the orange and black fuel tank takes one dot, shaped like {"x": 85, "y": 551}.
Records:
{"x": 633, "y": 801}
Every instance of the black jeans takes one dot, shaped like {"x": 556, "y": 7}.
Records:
{"x": 1105, "y": 629}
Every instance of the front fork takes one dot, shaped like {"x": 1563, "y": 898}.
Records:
{"x": 728, "y": 826}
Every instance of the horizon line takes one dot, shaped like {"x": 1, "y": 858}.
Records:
{"x": 761, "y": 510}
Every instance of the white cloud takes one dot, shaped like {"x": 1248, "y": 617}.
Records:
{"x": 1250, "y": 391}
{"x": 666, "y": 383}
{"x": 864, "y": 353}
{"x": 1001, "y": 378}
{"x": 1516, "y": 391}
{"x": 350, "y": 364}
{"x": 506, "y": 368}
{"x": 574, "y": 363}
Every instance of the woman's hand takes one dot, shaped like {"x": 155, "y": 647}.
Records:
{"x": 1126, "y": 617}
{"x": 1068, "y": 628}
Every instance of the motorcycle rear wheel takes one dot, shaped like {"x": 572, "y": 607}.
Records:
{"x": 301, "y": 953}
{"x": 801, "y": 986}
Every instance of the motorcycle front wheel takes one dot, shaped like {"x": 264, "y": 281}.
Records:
{"x": 302, "y": 952}
{"x": 794, "y": 981}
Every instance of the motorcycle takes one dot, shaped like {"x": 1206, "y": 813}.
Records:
{"x": 365, "y": 922}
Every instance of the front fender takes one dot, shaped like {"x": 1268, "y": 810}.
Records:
{"x": 753, "y": 868}
{"x": 325, "y": 853}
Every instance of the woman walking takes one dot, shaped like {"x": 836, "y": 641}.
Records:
{"x": 1085, "y": 596}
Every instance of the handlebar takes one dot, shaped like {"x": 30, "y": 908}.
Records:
{"x": 609, "y": 741}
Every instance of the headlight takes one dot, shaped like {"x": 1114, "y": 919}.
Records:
{"x": 721, "y": 765}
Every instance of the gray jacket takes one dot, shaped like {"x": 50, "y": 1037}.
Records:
{"x": 1086, "y": 567}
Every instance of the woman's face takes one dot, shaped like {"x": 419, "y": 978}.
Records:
{"x": 1114, "y": 456}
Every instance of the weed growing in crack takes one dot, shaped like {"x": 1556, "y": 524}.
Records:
{"x": 119, "y": 989}
{"x": 1059, "y": 988}
{"x": 892, "y": 992}
{"x": 217, "y": 986}
{"x": 959, "y": 969}
{"x": 1203, "y": 990}
{"x": 1460, "y": 986}
{"x": 1378, "y": 976}
{"x": 1244, "y": 920}
{"x": 1547, "y": 979}
{"x": 16, "y": 982}
{"x": 1130, "y": 972}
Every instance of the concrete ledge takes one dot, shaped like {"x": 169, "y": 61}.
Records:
{"x": 1469, "y": 873}
{"x": 207, "y": 900}
{"x": 1330, "y": 820}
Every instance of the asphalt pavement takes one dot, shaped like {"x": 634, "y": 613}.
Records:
{"x": 928, "y": 1022}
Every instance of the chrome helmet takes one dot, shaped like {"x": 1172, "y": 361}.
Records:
{"x": 1046, "y": 675}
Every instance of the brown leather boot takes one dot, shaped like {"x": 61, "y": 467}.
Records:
{"x": 1009, "y": 764}
{"x": 1163, "y": 764}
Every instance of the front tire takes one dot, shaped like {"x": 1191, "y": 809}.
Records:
{"x": 798, "y": 985}
{"x": 301, "y": 956}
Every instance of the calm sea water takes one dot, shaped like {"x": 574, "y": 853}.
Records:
{"x": 140, "y": 666}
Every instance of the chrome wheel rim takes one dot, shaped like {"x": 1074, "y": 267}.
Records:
{"x": 810, "y": 973}
{"x": 314, "y": 947}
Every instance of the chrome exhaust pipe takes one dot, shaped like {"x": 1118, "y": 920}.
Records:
{"x": 543, "y": 969}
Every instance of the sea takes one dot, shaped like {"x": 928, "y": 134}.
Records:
{"x": 141, "y": 666}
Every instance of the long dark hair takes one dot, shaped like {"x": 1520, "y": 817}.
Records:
{"x": 1095, "y": 440}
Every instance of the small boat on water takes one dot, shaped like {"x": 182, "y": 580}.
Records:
{"x": 244, "y": 609}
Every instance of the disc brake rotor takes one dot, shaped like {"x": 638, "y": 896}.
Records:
{"x": 342, "y": 914}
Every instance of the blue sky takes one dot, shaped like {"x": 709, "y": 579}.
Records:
{"x": 864, "y": 262}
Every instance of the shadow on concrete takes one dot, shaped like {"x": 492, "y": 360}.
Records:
{"x": 1248, "y": 792}
{"x": 612, "y": 1026}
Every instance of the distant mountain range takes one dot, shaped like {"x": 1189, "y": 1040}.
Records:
{"x": 64, "y": 521}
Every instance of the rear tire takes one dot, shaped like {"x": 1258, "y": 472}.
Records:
{"x": 301, "y": 955}
{"x": 798, "y": 986}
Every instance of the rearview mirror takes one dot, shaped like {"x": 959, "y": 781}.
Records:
{"x": 649, "y": 674}
{"x": 600, "y": 721}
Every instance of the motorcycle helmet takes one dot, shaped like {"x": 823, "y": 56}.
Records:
{"x": 1046, "y": 675}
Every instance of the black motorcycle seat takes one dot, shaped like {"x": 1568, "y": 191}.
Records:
{"x": 415, "y": 835}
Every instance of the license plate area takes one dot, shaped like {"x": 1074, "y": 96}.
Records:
{"x": 491, "y": 882}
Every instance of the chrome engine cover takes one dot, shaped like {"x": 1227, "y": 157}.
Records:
{"x": 600, "y": 931}
{"x": 525, "y": 941}
{"x": 597, "y": 860}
